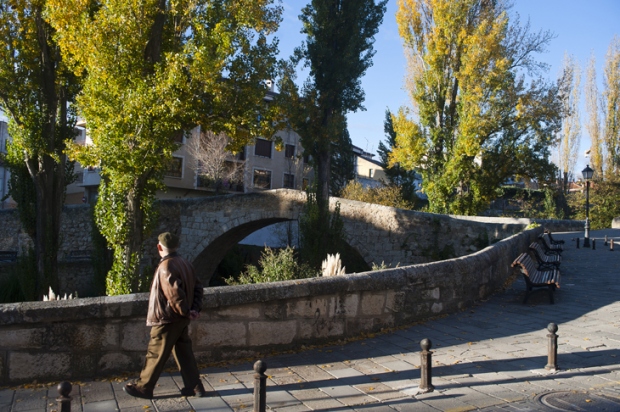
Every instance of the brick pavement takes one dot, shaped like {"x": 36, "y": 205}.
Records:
{"x": 490, "y": 357}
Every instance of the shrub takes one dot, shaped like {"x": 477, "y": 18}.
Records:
{"x": 384, "y": 195}
{"x": 275, "y": 265}
{"x": 604, "y": 203}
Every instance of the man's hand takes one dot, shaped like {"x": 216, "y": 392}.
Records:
{"x": 193, "y": 315}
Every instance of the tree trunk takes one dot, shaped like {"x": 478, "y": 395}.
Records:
{"x": 135, "y": 237}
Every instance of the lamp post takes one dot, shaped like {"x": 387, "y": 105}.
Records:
{"x": 587, "y": 175}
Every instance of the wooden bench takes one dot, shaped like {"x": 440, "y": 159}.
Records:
{"x": 554, "y": 241}
{"x": 8, "y": 256}
{"x": 548, "y": 246}
{"x": 535, "y": 277}
{"x": 548, "y": 261}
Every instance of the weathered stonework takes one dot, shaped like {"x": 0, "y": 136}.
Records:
{"x": 94, "y": 337}
{"x": 210, "y": 227}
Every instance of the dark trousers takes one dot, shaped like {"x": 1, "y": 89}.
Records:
{"x": 172, "y": 337}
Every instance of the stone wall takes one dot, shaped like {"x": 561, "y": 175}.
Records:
{"x": 94, "y": 337}
{"x": 210, "y": 227}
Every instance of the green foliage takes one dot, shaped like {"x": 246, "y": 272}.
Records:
{"x": 22, "y": 190}
{"x": 400, "y": 177}
{"x": 476, "y": 120}
{"x": 320, "y": 232}
{"x": 36, "y": 92}
{"x": 384, "y": 195}
{"x": 17, "y": 281}
{"x": 532, "y": 225}
{"x": 342, "y": 163}
{"x": 102, "y": 258}
{"x": 275, "y": 266}
{"x": 604, "y": 203}
{"x": 382, "y": 266}
{"x": 150, "y": 71}
{"x": 338, "y": 51}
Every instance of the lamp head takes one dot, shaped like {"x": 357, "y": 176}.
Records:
{"x": 587, "y": 173}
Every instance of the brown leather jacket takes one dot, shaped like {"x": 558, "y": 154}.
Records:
{"x": 175, "y": 291}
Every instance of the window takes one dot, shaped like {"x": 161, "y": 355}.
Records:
{"x": 289, "y": 151}
{"x": 306, "y": 158}
{"x": 262, "y": 179}
{"x": 175, "y": 168}
{"x": 263, "y": 148}
{"x": 289, "y": 181}
{"x": 179, "y": 137}
{"x": 241, "y": 154}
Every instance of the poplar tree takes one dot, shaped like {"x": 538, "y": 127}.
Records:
{"x": 36, "y": 90}
{"x": 475, "y": 120}
{"x": 151, "y": 70}
{"x": 338, "y": 50}
{"x": 570, "y": 135}
{"x": 611, "y": 107}
{"x": 593, "y": 126}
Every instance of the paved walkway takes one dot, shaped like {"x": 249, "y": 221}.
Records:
{"x": 490, "y": 357}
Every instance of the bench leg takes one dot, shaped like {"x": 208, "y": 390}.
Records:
{"x": 528, "y": 290}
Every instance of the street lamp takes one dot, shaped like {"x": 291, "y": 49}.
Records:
{"x": 587, "y": 175}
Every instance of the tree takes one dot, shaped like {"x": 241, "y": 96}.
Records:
{"x": 338, "y": 51}
{"x": 400, "y": 177}
{"x": 36, "y": 90}
{"x": 475, "y": 120}
{"x": 611, "y": 106}
{"x": 342, "y": 161}
{"x": 593, "y": 125}
{"x": 214, "y": 162}
{"x": 151, "y": 70}
{"x": 570, "y": 135}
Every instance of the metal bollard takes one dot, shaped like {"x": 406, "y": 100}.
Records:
{"x": 426, "y": 364}
{"x": 260, "y": 386}
{"x": 64, "y": 400}
{"x": 593, "y": 244}
{"x": 552, "y": 362}
{"x": 611, "y": 245}
{"x": 577, "y": 243}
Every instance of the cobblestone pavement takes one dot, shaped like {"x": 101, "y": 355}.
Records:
{"x": 490, "y": 357}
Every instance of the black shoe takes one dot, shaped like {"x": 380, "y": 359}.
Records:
{"x": 199, "y": 391}
{"x": 138, "y": 392}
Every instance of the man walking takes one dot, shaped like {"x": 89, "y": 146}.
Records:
{"x": 175, "y": 299}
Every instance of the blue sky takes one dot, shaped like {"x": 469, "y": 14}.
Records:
{"x": 582, "y": 27}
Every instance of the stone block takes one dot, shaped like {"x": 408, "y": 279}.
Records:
{"x": 395, "y": 301}
{"x": 239, "y": 312}
{"x": 437, "y": 307}
{"x": 321, "y": 328}
{"x": 308, "y": 308}
{"x": 134, "y": 336}
{"x": 272, "y": 333}
{"x": 30, "y": 366}
{"x": 213, "y": 334}
{"x": 351, "y": 305}
{"x": 95, "y": 336}
{"x": 117, "y": 361}
{"x": 22, "y": 338}
{"x": 373, "y": 304}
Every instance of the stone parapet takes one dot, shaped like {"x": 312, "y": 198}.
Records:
{"x": 93, "y": 337}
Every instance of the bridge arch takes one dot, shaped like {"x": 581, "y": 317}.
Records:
{"x": 206, "y": 262}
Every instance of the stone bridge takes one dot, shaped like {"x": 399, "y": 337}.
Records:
{"x": 209, "y": 227}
